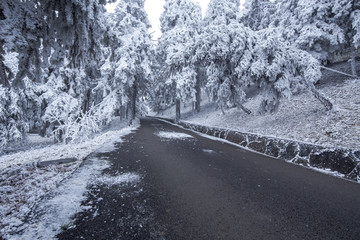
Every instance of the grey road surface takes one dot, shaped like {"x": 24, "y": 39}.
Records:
{"x": 198, "y": 188}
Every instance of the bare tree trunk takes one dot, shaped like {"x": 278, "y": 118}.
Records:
{"x": 222, "y": 108}
{"x": 353, "y": 62}
{"x": 133, "y": 107}
{"x": 326, "y": 102}
{"x": 242, "y": 107}
{"x": 121, "y": 115}
{"x": 127, "y": 111}
{"x": 336, "y": 71}
{"x": 132, "y": 104}
{"x": 177, "y": 109}
{"x": 86, "y": 105}
{"x": 3, "y": 78}
{"x": 198, "y": 94}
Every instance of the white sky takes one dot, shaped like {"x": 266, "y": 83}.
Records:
{"x": 154, "y": 8}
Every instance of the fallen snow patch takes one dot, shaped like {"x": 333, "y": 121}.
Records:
{"x": 119, "y": 179}
{"x": 173, "y": 135}
{"x": 208, "y": 151}
{"x": 328, "y": 171}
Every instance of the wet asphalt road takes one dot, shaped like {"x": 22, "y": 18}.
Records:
{"x": 197, "y": 188}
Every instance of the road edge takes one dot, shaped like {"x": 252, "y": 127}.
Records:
{"x": 341, "y": 162}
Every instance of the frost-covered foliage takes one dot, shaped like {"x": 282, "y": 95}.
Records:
{"x": 310, "y": 24}
{"x": 223, "y": 40}
{"x": 320, "y": 27}
{"x": 12, "y": 124}
{"x": 280, "y": 69}
{"x": 176, "y": 48}
{"x": 258, "y": 14}
{"x": 346, "y": 15}
{"x": 66, "y": 66}
{"x": 238, "y": 57}
{"x": 131, "y": 54}
{"x": 53, "y": 41}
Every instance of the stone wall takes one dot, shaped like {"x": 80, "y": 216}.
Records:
{"x": 344, "y": 161}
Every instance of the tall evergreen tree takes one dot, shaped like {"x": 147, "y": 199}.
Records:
{"x": 238, "y": 57}
{"x": 217, "y": 46}
{"x": 133, "y": 55}
{"x": 258, "y": 14}
{"x": 54, "y": 40}
{"x": 176, "y": 48}
{"x": 347, "y": 16}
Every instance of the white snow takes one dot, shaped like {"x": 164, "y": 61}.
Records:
{"x": 65, "y": 203}
{"x": 118, "y": 179}
{"x": 56, "y": 151}
{"x": 208, "y": 151}
{"x": 23, "y": 184}
{"x": 173, "y": 135}
{"x": 329, "y": 171}
{"x": 68, "y": 197}
{"x": 302, "y": 118}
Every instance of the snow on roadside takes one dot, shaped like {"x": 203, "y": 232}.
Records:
{"x": 173, "y": 135}
{"x": 301, "y": 118}
{"x": 57, "y": 151}
{"x": 62, "y": 205}
{"x": 55, "y": 212}
{"x": 23, "y": 184}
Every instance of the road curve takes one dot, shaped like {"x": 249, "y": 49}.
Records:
{"x": 198, "y": 188}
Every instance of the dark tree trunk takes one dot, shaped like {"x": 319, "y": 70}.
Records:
{"x": 326, "y": 102}
{"x": 86, "y": 104}
{"x": 242, "y": 107}
{"x": 133, "y": 97}
{"x": 121, "y": 115}
{"x": 123, "y": 110}
{"x": 177, "y": 109}
{"x": 127, "y": 111}
{"x": 198, "y": 94}
{"x": 3, "y": 69}
{"x": 3, "y": 77}
{"x": 133, "y": 103}
{"x": 353, "y": 62}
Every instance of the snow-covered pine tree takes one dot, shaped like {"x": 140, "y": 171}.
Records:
{"x": 238, "y": 57}
{"x": 258, "y": 14}
{"x": 53, "y": 40}
{"x": 20, "y": 25}
{"x": 176, "y": 48}
{"x": 347, "y": 16}
{"x": 279, "y": 69}
{"x": 72, "y": 43}
{"x": 133, "y": 55}
{"x": 217, "y": 46}
{"x": 310, "y": 25}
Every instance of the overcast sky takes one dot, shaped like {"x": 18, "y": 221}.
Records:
{"x": 154, "y": 8}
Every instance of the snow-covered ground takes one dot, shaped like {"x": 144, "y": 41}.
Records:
{"x": 23, "y": 184}
{"x": 302, "y": 118}
{"x": 172, "y": 135}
